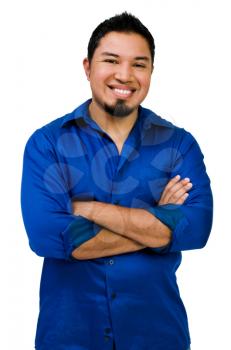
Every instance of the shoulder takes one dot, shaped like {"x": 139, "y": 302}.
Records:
{"x": 52, "y": 130}
{"x": 165, "y": 130}
{"x": 49, "y": 133}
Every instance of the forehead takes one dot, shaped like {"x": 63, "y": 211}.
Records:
{"x": 124, "y": 44}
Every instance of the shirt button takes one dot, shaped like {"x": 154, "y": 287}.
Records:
{"x": 113, "y": 295}
{"x": 111, "y": 262}
{"x": 107, "y": 330}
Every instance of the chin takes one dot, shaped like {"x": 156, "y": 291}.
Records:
{"x": 119, "y": 109}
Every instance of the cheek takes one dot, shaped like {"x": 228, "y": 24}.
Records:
{"x": 101, "y": 73}
{"x": 96, "y": 82}
{"x": 145, "y": 83}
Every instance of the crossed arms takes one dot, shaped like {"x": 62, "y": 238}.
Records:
{"x": 127, "y": 229}
{"x": 57, "y": 230}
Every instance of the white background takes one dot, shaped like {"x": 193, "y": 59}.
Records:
{"x": 42, "y": 47}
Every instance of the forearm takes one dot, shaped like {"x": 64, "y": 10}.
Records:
{"x": 106, "y": 243}
{"x": 135, "y": 224}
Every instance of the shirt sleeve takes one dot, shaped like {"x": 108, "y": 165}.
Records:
{"x": 191, "y": 222}
{"x": 52, "y": 229}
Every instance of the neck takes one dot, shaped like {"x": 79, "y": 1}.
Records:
{"x": 116, "y": 127}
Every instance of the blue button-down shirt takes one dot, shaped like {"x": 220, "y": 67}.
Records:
{"x": 130, "y": 299}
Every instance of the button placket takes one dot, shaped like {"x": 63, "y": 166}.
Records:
{"x": 106, "y": 338}
{"x": 107, "y": 334}
{"x": 107, "y": 330}
{"x": 113, "y": 295}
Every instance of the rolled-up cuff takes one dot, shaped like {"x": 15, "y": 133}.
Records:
{"x": 79, "y": 231}
{"x": 168, "y": 214}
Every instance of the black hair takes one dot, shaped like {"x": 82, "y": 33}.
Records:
{"x": 125, "y": 23}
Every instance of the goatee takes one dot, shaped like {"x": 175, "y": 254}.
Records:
{"x": 119, "y": 109}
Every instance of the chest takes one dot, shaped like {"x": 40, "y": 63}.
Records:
{"x": 135, "y": 177}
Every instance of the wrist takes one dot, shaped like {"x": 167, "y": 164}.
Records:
{"x": 84, "y": 209}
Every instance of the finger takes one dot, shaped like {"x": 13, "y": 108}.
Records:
{"x": 175, "y": 183}
{"x": 181, "y": 191}
{"x": 185, "y": 180}
{"x": 170, "y": 193}
{"x": 172, "y": 182}
{"x": 182, "y": 199}
{"x": 170, "y": 185}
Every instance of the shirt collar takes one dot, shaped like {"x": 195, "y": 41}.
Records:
{"x": 80, "y": 112}
{"x": 146, "y": 116}
{"x": 150, "y": 118}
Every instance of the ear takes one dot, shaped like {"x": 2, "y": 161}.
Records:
{"x": 86, "y": 66}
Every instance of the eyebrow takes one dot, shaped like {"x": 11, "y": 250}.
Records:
{"x": 138, "y": 58}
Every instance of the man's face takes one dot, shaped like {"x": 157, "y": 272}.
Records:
{"x": 119, "y": 73}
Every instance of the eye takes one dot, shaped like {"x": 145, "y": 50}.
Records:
{"x": 139, "y": 65}
{"x": 110, "y": 60}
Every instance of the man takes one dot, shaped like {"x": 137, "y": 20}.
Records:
{"x": 111, "y": 195}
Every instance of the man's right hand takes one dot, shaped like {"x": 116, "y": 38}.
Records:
{"x": 176, "y": 191}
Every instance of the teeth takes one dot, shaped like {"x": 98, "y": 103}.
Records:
{"x": 123, "y": 92}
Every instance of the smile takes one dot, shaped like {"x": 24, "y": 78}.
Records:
{"x": 122, "y": 92}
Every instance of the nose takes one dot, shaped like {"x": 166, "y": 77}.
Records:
{"x": 123, "y": 72}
